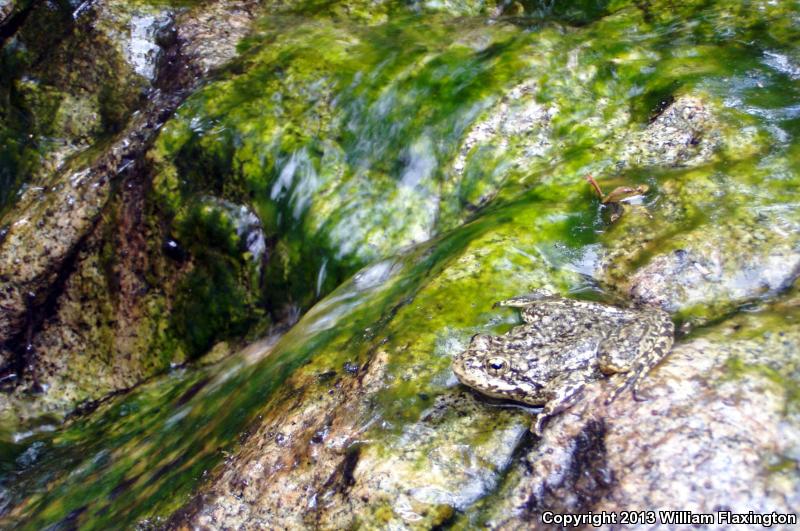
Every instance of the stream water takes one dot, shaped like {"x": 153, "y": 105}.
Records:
{"x": 390, "y": 147}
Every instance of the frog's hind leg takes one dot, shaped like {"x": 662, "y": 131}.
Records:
{"x": 525, "y": 301}
{"x": 567, "y": 396}
{"x": 521, "y": 301}
{"x": 653, "y": 344}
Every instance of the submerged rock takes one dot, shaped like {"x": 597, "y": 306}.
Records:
{"x": 712, "y": 242}
{"x": 407, "y": 193}
{"x": 67, "y": 85}
{"x": 713, "y": 432}
{"x": 685, "y": 133}
{"x": 398, "y": 452}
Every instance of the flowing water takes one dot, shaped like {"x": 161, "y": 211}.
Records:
{"x": 392, "y": 147}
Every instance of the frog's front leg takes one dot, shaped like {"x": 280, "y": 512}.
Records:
{"x": 565, "y": 397}
{"x": 636, "y": 349}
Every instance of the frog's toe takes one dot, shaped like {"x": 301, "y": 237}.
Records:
{"x": 538, "y": 425}
{"x": 639, "y": 397}
{"x": 634, "y": 383}
{"x": 515, "y": 302}
{"x": 637, "y": 393}
{"x": 619, "y": 390}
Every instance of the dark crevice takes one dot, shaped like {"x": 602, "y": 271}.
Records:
{"x": 525, "y": 445}
{"x": 664, "y": 102}
{"x": 89, "y": 406}
{"x": 122, "y": 487}
{"x": 175, "y": 79}
{"x": 585, "y": 482}
{"x": 39, "y": 310}
{"x": 447, "y": 523}
{"x": 72, "y": 520}
{"x": 348, "y": 466}
{"x": 193, "y": 390}
{"x": 11, "y": 25}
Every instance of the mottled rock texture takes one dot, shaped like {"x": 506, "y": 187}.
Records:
{"x": 393, "y": 171}
{"x": 87, "y": 288}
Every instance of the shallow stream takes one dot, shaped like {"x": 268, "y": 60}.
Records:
{"x": 387, "y": 150}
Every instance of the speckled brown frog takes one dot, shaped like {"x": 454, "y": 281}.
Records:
{"x": 562, "y": 345}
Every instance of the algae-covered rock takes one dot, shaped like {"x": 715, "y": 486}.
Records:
{"x": 66, "y": 86}
{"x": 395, "y": 380}
{"x": 394, "y": 459}
{"x": 396, "y": 179}
{"x": 88, "y": 286}
{"x": 6, "y": 8}
{"x": 299, "y": 136}
{"x": 71, "y": 76}
{"x": 713, "y": 242}
{"x": 172, "y": 303}
{"x": 392, "y": 439}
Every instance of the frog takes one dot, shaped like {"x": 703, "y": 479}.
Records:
{"x": 613, "y": 200}
{"x": 562, "y": 345}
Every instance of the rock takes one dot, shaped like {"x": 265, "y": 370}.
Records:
{"x": 593, "y": 457}
{"x": 722, "y": 398}
{"x": 684, "y": 134}
{"x": 362, "y": 484}
{"x": 69, "y": 86}
{"x": 348, "y": 456}
{"x": 703, "y": 272}
{"x": 692, "y": 254}
{"x": 6, "y": 8}
{"x": 716, "y": 433}
{"x": 371, "y": 179}
{"x": 57, "y": 238}
{"x": 517, "y": 131}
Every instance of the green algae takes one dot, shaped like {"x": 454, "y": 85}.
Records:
{"x": 216, "y": 300}
{"x": 297, "y": 131}
{"x": 64, "y": 85}
{"x": 771, "y": 328}
{"x": 788, "y": 384}
{"x": 343, "y": 328}
{"x": 292, "y": 146}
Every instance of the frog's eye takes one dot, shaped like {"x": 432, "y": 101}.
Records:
{"x": 496, "y": 366}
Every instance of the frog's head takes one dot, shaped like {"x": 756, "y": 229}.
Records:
{"x": 485, "y": 367}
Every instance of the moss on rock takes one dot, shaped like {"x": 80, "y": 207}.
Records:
{"x": 454, "y": 173}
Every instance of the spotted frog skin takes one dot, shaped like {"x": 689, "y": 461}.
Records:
{"x": 563, "y": 345}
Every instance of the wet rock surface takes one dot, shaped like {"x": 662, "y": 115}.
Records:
{"x": 692, "y": 255}
{"x": 396, "y": 197}
{"x": 713, "y": 406}
{"x": 61, "y": 235}
{"x": 6, "y": 8}
{"x": 716, "y": 431}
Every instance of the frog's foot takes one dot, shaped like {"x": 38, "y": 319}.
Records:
{"x": 538, "y": 425}
{"x": 638, "y": 395}
{"x": 633, "y": 381}
{"x": 566, "y": 397}
{"x": 522, "y": 301}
